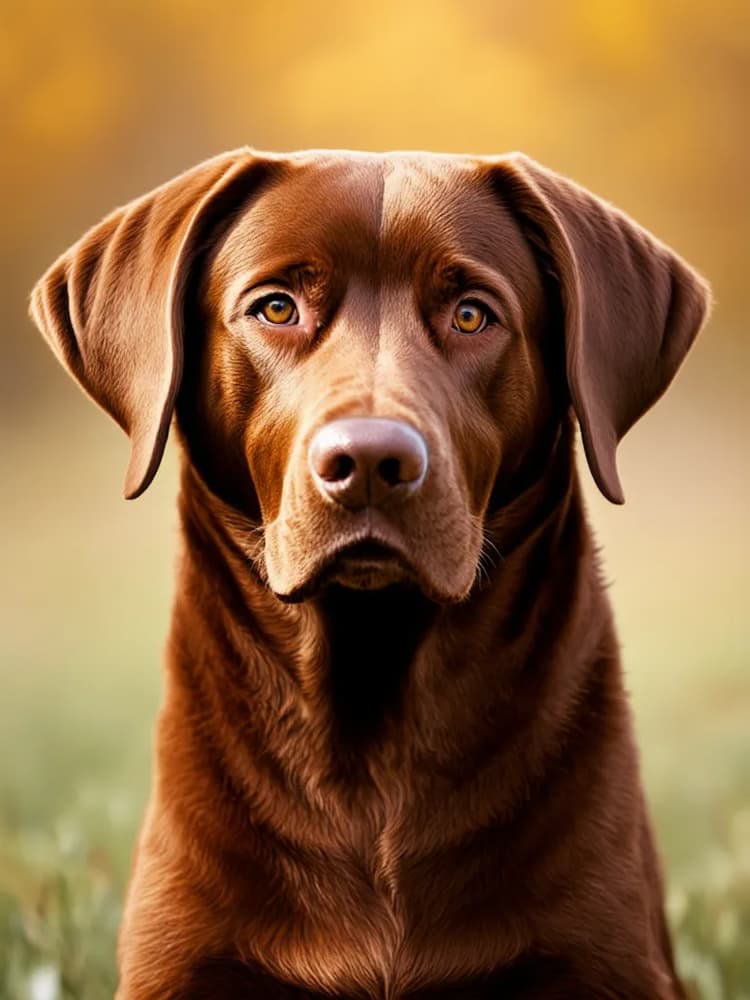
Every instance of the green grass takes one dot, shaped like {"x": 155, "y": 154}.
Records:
{"x": 80, "y": 673}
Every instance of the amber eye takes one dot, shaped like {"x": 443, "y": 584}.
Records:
{"x": 470, "y": 317}
{"x": 276, "y": 310}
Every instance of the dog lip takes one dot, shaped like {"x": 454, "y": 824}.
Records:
{"x": 367, "y": 549}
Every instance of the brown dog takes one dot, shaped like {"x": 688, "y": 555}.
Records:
{"x": 395, "y": 758}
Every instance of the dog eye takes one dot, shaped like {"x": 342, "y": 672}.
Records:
{"x": 276, "y": 310}
{"x": 471, "y": 316}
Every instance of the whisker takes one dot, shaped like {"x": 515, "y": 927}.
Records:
{"x": 487, "y": 541}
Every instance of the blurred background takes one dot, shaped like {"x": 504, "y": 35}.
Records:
{"x": 645, "y": 102}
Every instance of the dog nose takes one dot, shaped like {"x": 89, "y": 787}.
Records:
{"x": 363, "y": 461}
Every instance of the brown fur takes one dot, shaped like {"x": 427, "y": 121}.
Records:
{"x": 426, "y": 789}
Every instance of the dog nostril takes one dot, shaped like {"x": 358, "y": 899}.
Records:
{"x": 389, "y": 470}
{"x": 340, "y": 468}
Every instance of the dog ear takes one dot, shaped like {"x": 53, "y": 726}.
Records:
{"x": 112, "y": 306}
{"x": 632, "y": 307}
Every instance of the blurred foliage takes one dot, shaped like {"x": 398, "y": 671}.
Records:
{"x": 645, "y": 102}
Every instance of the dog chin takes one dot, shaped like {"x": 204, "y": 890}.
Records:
{"x": 367, "y": 566}
{"x": 363, "y": 565}
{"x": 364, "y": 575}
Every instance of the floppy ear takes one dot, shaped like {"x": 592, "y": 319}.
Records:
{"x": 632, "y": 307}
{"x": 112, "y": 306}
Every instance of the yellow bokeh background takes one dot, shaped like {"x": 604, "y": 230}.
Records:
{"x": 644, "y": 102}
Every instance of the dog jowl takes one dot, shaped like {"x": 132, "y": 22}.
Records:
{"x": 395, "y": 758}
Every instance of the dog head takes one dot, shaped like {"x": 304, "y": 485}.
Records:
{"x": 369, "y": 352}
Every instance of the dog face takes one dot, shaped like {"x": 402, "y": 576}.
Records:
{"x": 372, "y": 372}
{"x": 371, "y": 349}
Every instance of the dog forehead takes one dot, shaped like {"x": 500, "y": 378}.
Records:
{"x": 376, "y": 215}
{"x": 446, "y": 208}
